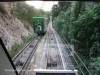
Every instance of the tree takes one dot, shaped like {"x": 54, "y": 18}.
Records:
{"x": 75, "y": 10}
{"x": 63, "y": 5}
{"x": 55, "y": 11}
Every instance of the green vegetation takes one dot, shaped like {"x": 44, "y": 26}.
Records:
{"x": 17, "y": 47}
{"x": 24, "y": 13}
{"x": 80, "y": 25}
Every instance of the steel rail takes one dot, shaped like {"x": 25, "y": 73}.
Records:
{"x": 29, "y": 58}
{"x": 22, "y": 49}
{"x": 76, "y": 54}
{"x": 26, "y": 61}
{"x": 59, "y": 50}
{"x": 47, "y": 50}
{"x": 73, "y": 57}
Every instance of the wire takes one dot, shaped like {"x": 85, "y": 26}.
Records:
{"x": 42, "y": 5}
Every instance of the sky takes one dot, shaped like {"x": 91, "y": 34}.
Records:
{"x": 47, "y": 5}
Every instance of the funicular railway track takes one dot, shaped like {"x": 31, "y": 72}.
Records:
{"x": 53, "y": 57}
{"x": 50, "y": 58}
{"x": 23, "y": 58}
{"x": 66, "y": 56}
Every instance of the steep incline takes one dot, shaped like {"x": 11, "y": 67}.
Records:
{"x": 11, "y": 29}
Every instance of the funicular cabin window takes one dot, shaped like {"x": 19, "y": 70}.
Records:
{"x": 38, "y": 23}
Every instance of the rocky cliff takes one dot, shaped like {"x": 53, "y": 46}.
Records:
{"x": 11, "y": 29}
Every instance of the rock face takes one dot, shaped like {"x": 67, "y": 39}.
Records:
{"x": 11, "y": 29}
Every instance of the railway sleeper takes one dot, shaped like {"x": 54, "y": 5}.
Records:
{"x": 19, "y": 63}
{"x": 51, "y": 64}
{"x": 32, "y": 45}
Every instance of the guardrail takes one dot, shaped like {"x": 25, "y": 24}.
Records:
{"x": 75, "y": 57}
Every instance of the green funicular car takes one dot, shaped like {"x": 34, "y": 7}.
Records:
{"x": 39, "y": 25}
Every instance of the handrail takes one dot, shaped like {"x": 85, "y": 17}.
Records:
{"x": 75, "y": 53}
{"x": 74, "y": 59}
{"x": 59, "y": 51}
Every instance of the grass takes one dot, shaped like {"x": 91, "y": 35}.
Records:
{"x": 17, "y": 47}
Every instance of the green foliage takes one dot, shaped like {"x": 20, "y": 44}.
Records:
{"x": 17, "y": 47}
{"x": 95, "y": 66}
{"x": 61, "y": 6}
{"x": 86, "y": 31}
{"x": 81, "y": 26}
{"x": 86, "y": 35}
{"x": 14, "y": 50}
{"x": 55, "y": 11}
{"x": 61, "y": 22}
{"x": 75, "y": 9}
{"x": 25, "y": 12}
{"x": 21, "y": 11}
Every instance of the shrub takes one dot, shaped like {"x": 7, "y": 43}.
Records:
{"x": 86, "y": 30}
{"x": 17, "y": 47}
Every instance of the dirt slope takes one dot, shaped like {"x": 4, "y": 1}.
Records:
{"x": 11, "y": 29}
